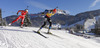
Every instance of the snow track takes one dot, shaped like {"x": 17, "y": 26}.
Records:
{"x": 15, "y": 37}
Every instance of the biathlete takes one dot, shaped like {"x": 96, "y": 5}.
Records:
{"x": 22, "y": 16}
{"x": 49, "y": 14}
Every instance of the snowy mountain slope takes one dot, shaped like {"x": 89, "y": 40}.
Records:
{"x": 89, "y": 24}
{"x": 15, "y": 37}
{"x": 59, "y": 11}
{"x": 97, "y": 18}
{"x": 80, "y": 22}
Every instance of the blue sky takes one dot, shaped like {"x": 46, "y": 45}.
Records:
{"x": 73, "y": 7}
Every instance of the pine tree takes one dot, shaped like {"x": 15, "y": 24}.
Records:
{"x": 0, "y": 18}
{"x": 2, "y": 22}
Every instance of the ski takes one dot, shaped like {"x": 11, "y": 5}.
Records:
{"x": 53, "y": 35}
{"x": 40, "y": 34}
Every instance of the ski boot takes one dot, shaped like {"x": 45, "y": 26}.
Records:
{"x": 21, "y": 26}
{"x": 38, "y": 31}
{"x": 49, "y": 33}
{"x": 9, "y": 24}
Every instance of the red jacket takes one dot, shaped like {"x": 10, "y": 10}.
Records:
{"x": 22, "y": 12}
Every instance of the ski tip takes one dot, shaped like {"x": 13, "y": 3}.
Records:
{"x": 46, "y": 37}
{"x": 34, "y": 31}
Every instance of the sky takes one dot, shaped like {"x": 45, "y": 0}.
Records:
{"x": 73, "y": 7}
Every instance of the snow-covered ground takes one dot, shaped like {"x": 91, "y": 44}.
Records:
{"x": 16, "y": 37}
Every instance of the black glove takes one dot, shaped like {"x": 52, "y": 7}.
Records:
{"x": 17, "y": 13}
{"x": 42, "y": 13}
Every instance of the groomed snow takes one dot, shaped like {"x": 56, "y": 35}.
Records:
{"x": 16, "y": 37}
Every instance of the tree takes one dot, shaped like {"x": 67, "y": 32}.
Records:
{"x": 2, "y": 22}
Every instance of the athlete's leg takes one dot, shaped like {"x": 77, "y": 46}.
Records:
{"x": 43, "y": 24}
{"x": 50, "y": 24}
{"x": 23, "y": 17}
{"x": 15, "y": 20}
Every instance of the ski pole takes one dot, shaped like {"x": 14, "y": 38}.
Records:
{"x": 56, "y": 7}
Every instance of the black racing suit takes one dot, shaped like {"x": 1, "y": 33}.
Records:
{"x": 49, "y": 20}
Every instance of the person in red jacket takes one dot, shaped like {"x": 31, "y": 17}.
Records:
{"x": 22, "y": 16}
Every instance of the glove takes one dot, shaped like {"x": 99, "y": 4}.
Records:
{"x": 51, "y": 10}
{"x": 17, "y": 13}
{"x": 42, "y": 13}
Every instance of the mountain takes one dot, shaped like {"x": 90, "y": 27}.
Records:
{"x": 88, "y": 14}
{"x": 59, "y": 11}
{"x": 61, "y": 17}
{"x": 85, "y": 15}
{"x": 89, "y": 20}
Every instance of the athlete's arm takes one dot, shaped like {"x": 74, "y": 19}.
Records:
{"x": 19, "y": 11}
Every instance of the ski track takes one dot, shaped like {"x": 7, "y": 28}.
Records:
{"x": 15, "y": 37}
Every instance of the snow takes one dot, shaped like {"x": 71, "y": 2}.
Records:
{"x": 80, "y": 22}
{"x": 61, "y": 12}
{"x": 90, "y": 24}
{"x": 16, "y": 37}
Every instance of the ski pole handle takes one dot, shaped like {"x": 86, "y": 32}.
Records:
{"x": 56, "y": 7}
{"x": 17, "y": 13}
{"x": 27, "y": 7}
